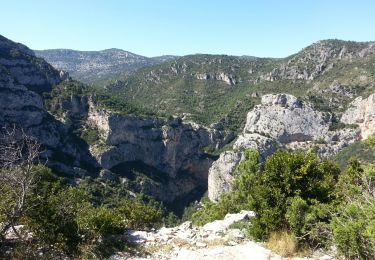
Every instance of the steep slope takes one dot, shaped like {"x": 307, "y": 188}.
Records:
{"x": 19, "y": 64}
{"x": 23, "y": 78}
{"x": 202, "y": 88}
{"x": 213, "y": 88}
{"x": 88, "y": 66}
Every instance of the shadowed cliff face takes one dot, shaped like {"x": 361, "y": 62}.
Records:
{"x": 171, "y": 150}
{"x": 23, "y": 79}
{"x": 22, "y": 76}
{"x": 22, "y": 67}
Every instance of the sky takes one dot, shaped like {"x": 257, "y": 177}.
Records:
{"x": 263, "y": 28}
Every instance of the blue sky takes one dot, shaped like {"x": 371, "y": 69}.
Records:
{"x": 272, "y": 28}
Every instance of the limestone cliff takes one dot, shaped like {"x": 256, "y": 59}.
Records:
{"x": 280, "y": 121}
{"x": 171, "y": 147}
{"x": 362, "y": 112}
{"x": 23, "y": 78}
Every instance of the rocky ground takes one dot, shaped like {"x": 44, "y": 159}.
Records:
{"x": 215, "y": 240}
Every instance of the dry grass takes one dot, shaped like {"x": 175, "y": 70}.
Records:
{"x": 215, "y": 242}
{"x": 283, "y": 243}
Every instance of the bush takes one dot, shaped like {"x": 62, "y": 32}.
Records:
{"x": 292, "y": 182}
{"x": 289, "y": 192}
{"x": 53, "y": 216}
{"x": 354, "y": 224}
{"x": 138, "y": 215}
{"x": 97, "y": 222}
{"x": 354, "y": 230}
{"x": 309, "y": 223}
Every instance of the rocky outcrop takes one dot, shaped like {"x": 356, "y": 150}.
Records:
{"x": 318, "y": 59}
{"x": 220, "y": 175}
{"x": 215, "y": 240}
{"x": 280, "y": 121}
{"x": 221, "y": 76}
{"x": 284, "y": 120}
{"x": 20, "y": 73}
{"x": 361, "y": 112}
{"x": 187, "y": 239}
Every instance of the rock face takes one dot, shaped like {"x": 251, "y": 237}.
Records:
{"x": 21, "y": 73}
{"x": 170, "y": 146}
{"x": 228, "y": 79}
{"x": 362, "y": 112}
{"x": 93, "y": 65}
{"x": 280, "y": 121}
{"x": 220, "y": 174}
{"x": 22, "y": 78}
{"x": 25, "y": 69}
{"x": 286, "y": 119}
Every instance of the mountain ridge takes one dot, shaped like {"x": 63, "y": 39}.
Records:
{"x": 207, "y": 87}
{"x": 89, "y": 65}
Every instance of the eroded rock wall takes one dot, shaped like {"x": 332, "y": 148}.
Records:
{"x": 281, "y": 120}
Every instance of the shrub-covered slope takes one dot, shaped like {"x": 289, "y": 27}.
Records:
{"x": 212, "y": 88}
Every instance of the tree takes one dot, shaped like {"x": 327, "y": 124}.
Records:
{"x": 18, "y": 155}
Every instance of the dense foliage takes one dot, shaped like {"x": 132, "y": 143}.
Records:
{"x": 354, "y": 221}
{"x": 76, "y": 221}
{"x": 308, "y": 198}
{"x": 60, "y": 99}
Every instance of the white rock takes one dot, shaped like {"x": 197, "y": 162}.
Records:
{"x": 362, "y": 112}
{"x": 220, "y": 174}
{"x": 222, "y": 225}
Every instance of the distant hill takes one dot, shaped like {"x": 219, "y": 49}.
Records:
{"x": 88, "y": 66}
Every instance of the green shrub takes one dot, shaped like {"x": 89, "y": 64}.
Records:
{"x": 52, "y": 218}
{"x": 97, "y": 222}
{"x": 295, "y": 180}
{"x": 296, "y": 213}
{"x": 354, "y": 223}
{"x": 138, "y": 215}
{"x": 354, "y": 230}
{"x": 289, "y": 192}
